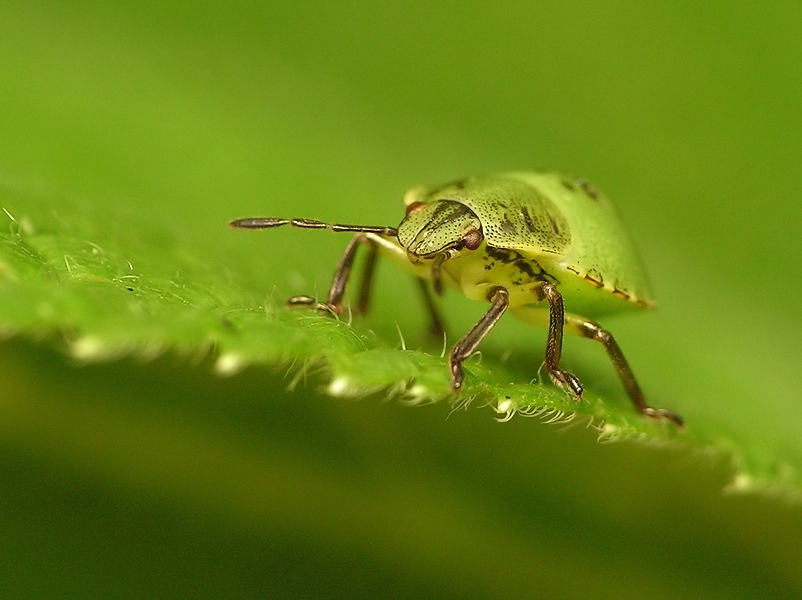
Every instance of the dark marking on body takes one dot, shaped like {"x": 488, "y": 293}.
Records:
{"x": 446, "y": 212}
{"x": 506, "y": 225}
{"x": 530, "y": 224}
{"x": 594, "y": 282}
{"x": 595, "y": 278}
{"x": 438, "y": 212}
{"x": 555, "y": 227}
{"x": 588, "y": 187}
{"x": 525, "y": 266}
{"x": 567, "y": 184}
{"x": 503, "y": 256}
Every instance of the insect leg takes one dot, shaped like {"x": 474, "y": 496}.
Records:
{"x": 436, "y": 326}
{"x": 554, "y": 344}
{"x": 594, "y": 331}
{"x": 367, "y": 278}
{"x": 500, "y": 300}
{"x": 341, "y": 275}
{"x": 380, "y": 245}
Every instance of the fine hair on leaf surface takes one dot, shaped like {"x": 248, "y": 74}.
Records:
{"x": 101, "y": 287}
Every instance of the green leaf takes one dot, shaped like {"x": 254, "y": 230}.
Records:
{"x": 103, "y": 290}
{"x": 131, "y": 133}
{"x": 102, "y": 286}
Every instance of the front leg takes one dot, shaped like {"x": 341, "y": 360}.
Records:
{"x": 340, "y": 281}
{"x": 500, "y": 299}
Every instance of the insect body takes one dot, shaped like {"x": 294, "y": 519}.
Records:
{"x": 533, "y": 243}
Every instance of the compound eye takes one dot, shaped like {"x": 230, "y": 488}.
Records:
{"x": 473, "y": 239}
{"x": 415, "y": 206}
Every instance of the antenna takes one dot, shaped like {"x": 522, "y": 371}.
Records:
{"x": 270, "y": 222}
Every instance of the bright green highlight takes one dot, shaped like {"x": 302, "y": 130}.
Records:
{"x": 133, "y": 132}
{"x": 101, "y": 287}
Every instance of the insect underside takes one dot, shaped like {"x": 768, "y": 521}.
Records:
{"x": 444, "y": 242}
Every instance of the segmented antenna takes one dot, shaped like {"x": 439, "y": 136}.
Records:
{"x": 268, "y": 222}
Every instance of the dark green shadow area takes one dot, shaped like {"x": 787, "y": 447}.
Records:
{"x": 71, "y": 536}
{"x": 162, "y": 480}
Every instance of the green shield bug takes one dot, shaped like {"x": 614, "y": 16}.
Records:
{"x": 546, "y": 246}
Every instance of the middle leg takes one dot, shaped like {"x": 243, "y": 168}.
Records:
{"x": 554, "y": 344}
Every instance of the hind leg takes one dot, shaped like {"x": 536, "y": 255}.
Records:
{"x": 592, "y": 330}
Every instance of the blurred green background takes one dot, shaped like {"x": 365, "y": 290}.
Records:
{"x": 159, "y": 479}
